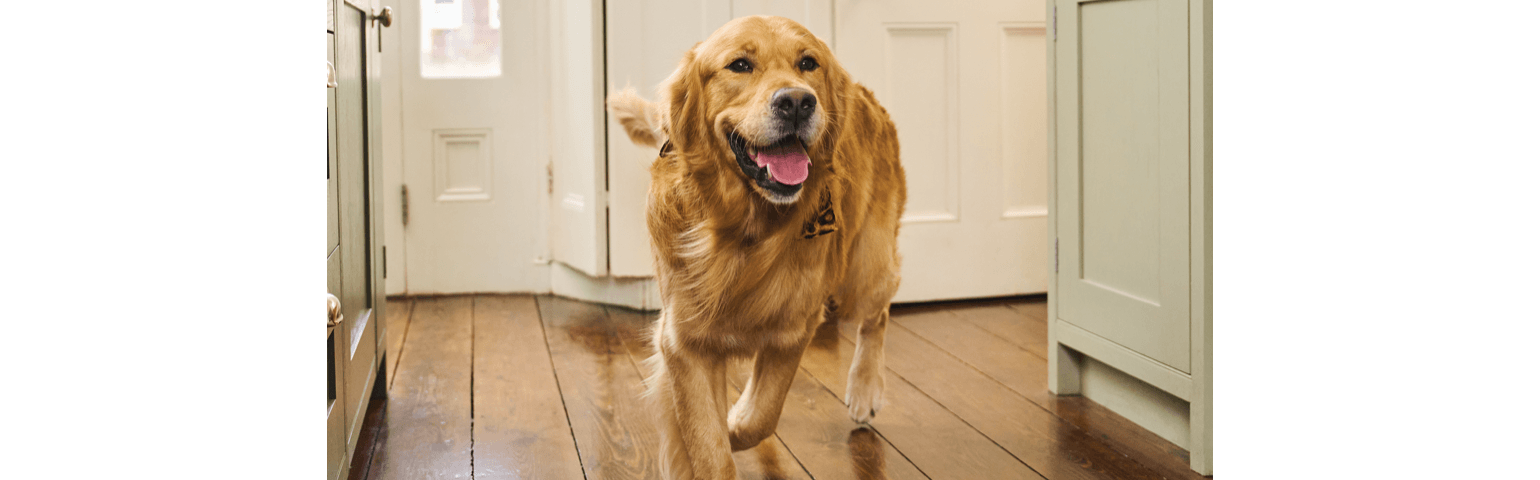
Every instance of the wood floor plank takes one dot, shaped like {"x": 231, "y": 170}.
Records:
{"x": 1035, "y": 307}
{"x": 771, "y": 459}
{"x": 426, "y": 432}
{"x": 398, "y": 315}
{"x": 521, "y": 429}
{"x": 614, "y": 432}
{"x": 997, "y": 358}
{"x": 1018, "y": 328}
{"x": 934, "y": 439}
{"x": 1051, "y": 446}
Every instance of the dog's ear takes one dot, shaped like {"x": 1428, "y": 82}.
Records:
{"x": 636, "y": 116}
{"x": 835, "y": 101}
{"x": 684, "y": 96}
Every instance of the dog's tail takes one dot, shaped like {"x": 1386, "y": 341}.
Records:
{"x": 640, "y": 118}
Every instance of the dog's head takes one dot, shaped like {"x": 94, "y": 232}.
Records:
{"x": 760, "y": 95}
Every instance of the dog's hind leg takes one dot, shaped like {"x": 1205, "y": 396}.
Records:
{"x": 863, "y": 390}
{"x": 873, "y": 279}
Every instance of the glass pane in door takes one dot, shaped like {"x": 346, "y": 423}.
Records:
{"x": 461, "y": 39}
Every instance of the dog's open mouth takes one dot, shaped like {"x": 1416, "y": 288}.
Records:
{"x": 779, "y": 168}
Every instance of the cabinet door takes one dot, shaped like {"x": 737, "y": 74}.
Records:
{"x": 1122, "y": 173}
{"x": 353, "y": 173}
{"x": 357, "y": 185}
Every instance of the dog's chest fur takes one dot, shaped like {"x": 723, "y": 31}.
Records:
{"x": 740, "y": 287}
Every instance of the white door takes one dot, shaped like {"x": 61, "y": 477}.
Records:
{"x": 1123, "y": 172}
{"x": 473, "y": 146}
{"x": 965, "y": 84}
{"x": 579, "y": 201}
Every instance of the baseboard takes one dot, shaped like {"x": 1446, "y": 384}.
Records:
{"x": 639, "y": 293}
{"x": 1152, "y": 408}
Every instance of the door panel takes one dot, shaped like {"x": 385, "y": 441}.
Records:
{"x": 1123, "y": 176}
{"x": 964, "y": 84}
{"x": 1023, "y": 124}
{"x": 920, "y": 77}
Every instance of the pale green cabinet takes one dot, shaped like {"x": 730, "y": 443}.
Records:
{"x": 1131, "y": 202}
{"x": 355, "y": 267}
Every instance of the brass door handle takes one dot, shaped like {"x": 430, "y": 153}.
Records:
{"x": 331, "y": 75}
{"x": 333, "y": 310}
{"x": 385, "y": 17}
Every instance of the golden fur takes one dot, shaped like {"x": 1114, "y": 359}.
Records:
{"x": 738, "y": 276}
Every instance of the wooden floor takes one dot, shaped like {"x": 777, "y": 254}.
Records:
{"x": 540, "y": 387}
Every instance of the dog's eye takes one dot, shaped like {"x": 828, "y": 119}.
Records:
{"x": 741, "y": 66}
{"x": 807, "y": 64}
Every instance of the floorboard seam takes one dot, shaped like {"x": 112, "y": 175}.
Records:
{"x": 405, "y": 329}
{"x": 566, "y": 414}
{"x": 794, "y": 458}
{"x": 900, "y": 452}
{"x": 874, "y": 428}
{"x": 473, "y": 386}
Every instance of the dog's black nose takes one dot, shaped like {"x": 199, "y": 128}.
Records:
{"x": 793, "y": 104}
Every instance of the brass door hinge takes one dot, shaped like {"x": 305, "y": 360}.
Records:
{"x": 406, "y": 205}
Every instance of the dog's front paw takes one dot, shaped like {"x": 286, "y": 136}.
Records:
{"x": 738, "y": 439}
{"x": 744, "y": 430}
{"x": 863, "y": 395}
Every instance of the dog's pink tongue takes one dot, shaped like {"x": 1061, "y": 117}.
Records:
{"x": 788, "y": 166}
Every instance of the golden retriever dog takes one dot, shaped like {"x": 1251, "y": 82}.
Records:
{"x": 774, "y": 204}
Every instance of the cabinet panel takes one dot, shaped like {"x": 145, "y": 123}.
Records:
{"x": 360, "y": 375}
{"x": 1122, "y": 181}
